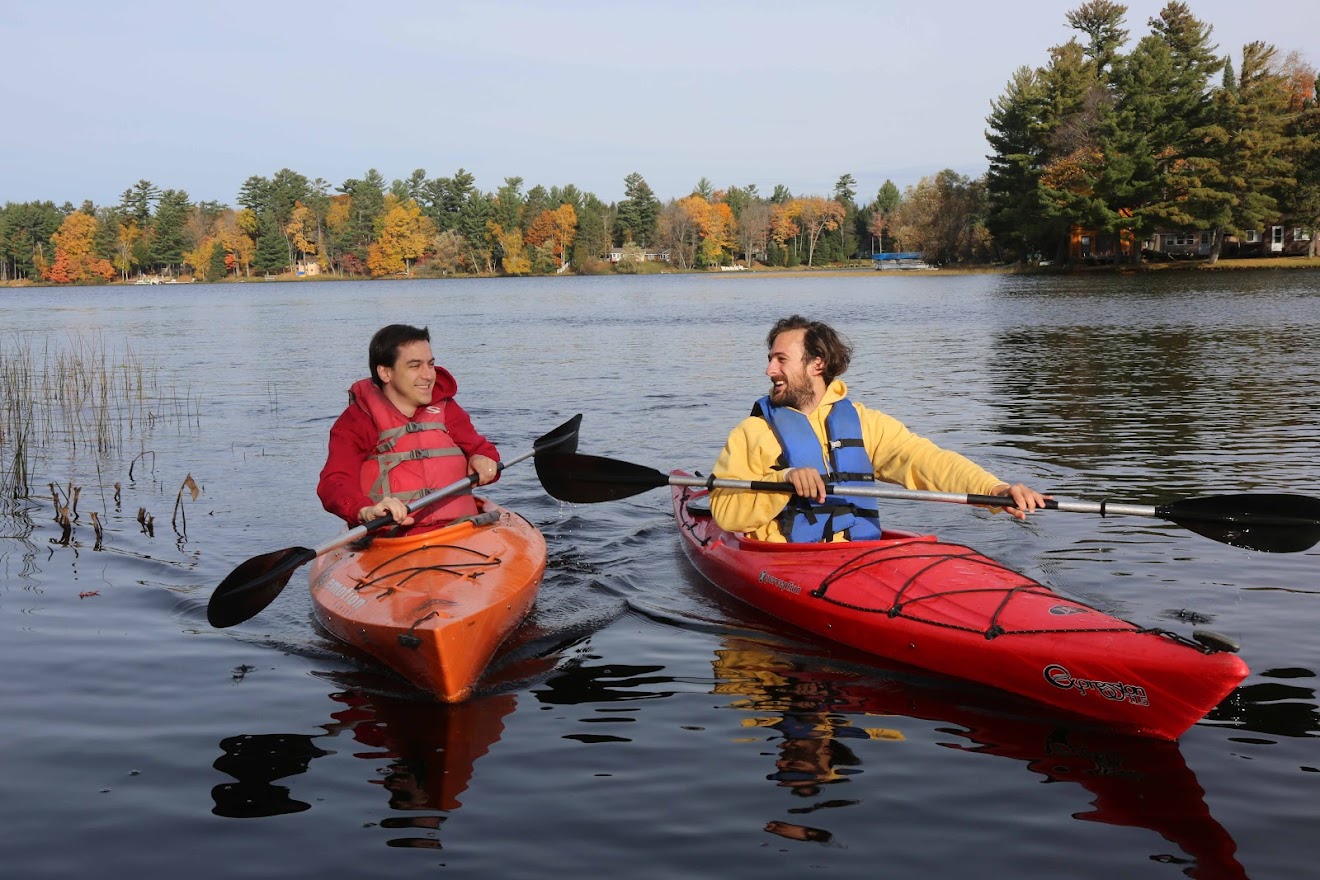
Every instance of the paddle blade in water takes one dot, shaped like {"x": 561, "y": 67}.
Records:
{"x": 1271, "y": 523}
{"x": 586, "y": 479}
{"x": 254, "y": 585}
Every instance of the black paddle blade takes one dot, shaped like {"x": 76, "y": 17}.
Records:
{"x": 1271, "y": 523}
{"x": 254, "y": 585}
{"x": 562, "y": 439}
{"x": 585, "y": 479}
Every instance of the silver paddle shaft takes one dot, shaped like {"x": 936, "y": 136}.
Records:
{"x": 1101, "y": 508}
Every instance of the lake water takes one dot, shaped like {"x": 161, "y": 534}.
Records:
{"x": 640, "y": 724}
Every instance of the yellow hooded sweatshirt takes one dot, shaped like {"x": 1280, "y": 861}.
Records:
{"x": 899, "y": 456}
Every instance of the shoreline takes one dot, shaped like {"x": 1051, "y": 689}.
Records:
{"x": 1235, "y": 265}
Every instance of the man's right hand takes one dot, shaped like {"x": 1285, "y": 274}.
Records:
{"x": 391, "y": 507}
{"x": 807, "y": 483}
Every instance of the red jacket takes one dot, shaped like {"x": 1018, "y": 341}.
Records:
{"x": 353, "y": 439}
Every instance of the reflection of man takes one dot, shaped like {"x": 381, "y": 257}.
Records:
{"x": 804, "y": 714}
{"x": 808, "y": 433}
{"x": 405, "y": 788}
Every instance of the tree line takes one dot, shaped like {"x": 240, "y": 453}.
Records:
{"x": 1167, "y": 135}
{"x": 440, "y": 225}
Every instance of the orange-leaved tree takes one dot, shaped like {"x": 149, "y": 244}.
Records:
{"x": 784, "y": 226}
{"x": 558, "y": 227}
{"x": 717, "y": 228}
{"x": 76, "y": 261}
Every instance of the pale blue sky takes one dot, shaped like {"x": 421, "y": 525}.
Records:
{"x": 198, "y": 96}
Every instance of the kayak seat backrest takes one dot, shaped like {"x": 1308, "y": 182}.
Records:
{"x": 698, "y": 507}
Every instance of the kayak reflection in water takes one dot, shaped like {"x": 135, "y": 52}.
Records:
{"x": 401, "y": 436}
{"x": 1125, "y": 781}
{"x": 807, "y": 432}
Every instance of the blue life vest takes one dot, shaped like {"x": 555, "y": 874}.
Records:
{"x": 803, "y": 520}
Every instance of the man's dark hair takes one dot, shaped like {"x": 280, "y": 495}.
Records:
{"x": 820, "y": 341}
{"x": 385, "y": 345}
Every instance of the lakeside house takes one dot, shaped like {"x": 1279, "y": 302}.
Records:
{"x": 617, "y": 254}
{"x": 1279, "y": 239}
{"x": 1093, "y": 246}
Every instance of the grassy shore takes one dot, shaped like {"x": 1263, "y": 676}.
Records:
{"x": 855, "y": 267}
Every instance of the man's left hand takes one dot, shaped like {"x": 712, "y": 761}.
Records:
{"x": 1025, "y": 499}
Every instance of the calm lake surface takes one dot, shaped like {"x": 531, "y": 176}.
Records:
{"x": 640, "y": 724}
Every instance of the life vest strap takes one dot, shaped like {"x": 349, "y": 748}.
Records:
{"x": 386, "y": 440}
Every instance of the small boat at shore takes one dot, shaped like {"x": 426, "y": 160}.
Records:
{"x": 948, "y": 609}
{"x": 433, "y": 606}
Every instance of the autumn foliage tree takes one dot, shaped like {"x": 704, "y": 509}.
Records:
{"x": 301, "y": 230}
{"x": 402, "y": 235}
{"x": 783, "y": 226}
{"x": 815, "y": 215}
{"x": 943, "y": 217}
{"x": 701, "y": 233}
{"x": 556, "y": 228}
{"x": 76, "y": 261}
{"x": 126, "y": 240}
{"x": 513, "y": 253}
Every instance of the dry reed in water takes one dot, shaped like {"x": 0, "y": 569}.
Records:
{"x": 80, "y": 398}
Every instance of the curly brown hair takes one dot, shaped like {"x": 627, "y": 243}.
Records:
{"x": 820, "y": 341}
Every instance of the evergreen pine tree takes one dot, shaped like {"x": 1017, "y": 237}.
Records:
{"x": 169, "y": 231}
{"x": 217, "y": 270}
{"x": 272, "y": 253}
{"x": 639, "y": 212}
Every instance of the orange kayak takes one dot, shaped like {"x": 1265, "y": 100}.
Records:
{"x": 434, "y": 606}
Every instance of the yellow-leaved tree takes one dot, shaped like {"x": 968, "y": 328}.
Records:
{"x": 513, "y": 254}
{"x": 814, "y": 215}
{"x": 236, "y": 233}
{"x": 301, "y": 230}
{"x": 717, "y": 228}
{"x": 125, "y": 241}
{"x": 402, "y": 235}
{"x": 200, "y": 258}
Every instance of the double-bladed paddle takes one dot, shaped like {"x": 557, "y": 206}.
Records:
{"x": 255, "y": 584}
{"x": 1275, "y": 523}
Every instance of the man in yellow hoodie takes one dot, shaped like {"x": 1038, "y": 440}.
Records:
{"x": 808, "y": 433}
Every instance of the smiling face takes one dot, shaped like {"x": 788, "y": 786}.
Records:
{"x": 408, "y": 383}
{"x": 795, "y": 379}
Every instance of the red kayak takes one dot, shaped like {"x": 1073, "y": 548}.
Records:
{"x": 946, "y": 608}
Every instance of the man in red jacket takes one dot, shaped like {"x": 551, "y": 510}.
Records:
{"x": 402, "y": 436}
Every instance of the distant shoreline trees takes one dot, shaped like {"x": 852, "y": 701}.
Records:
{"x": 1165, "y": 135}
